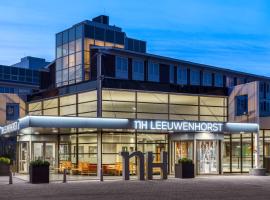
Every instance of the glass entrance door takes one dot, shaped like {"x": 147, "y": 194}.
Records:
{"x": 23, "y": 157}
{"x": 45, "y": 151}
{"x": 207, "y": 157}
{"x": 50, "y": 154}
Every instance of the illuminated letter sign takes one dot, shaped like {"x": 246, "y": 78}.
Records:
{"x": 10, "y": 128}
{"x": 181, "y": 126}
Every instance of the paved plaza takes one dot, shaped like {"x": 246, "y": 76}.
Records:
{"x": 203, "y": 187}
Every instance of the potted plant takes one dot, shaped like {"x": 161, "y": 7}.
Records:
{"x": 4, "y": 166}
{"x": 184, "y": 168}
{"x": 39, "y": 171}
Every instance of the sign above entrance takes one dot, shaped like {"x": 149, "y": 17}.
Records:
{"x": 15, "y": 126}
{"x": 179, "y": 126}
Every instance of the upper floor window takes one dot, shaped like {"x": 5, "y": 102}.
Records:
{"x": 153, "y": 72}
{"x": 12, "y": 111}
{"x": 171, "y": 74}
{"x": 121, "y": 67}
{"x": 181, "y": 75}
{"x": 241, "y": 105}
{"x": 138, "y": 70}
{"x": 194, "y": 77}
{"x": 207, "y": 78}
{"x": 218, "y": 80}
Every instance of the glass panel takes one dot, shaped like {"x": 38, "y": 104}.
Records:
{"x": 71, "y": 47}
{"x": 246, "y": 152}
{"x": 50, "y": 154}
{"x": 183, "y": 149}
{"x": 34, "y": 106}
{"x": 87, "y": 43}
{"x": 79, "y": 45}
{"x": 67, "y": 100}
{"x": 236, "y": 153}
{"x": 212, "y": 111}
{"x": 52, "y": 112}
{"x": 118, "y": 138}
{"x": 207, "y": 157}
{"x": 37, "y": 151}
{"x": 118, "y": 95}
{"x": 226, "y": 154}
{"x": 184, "y": 117}
{"x": 152, "y": 108}
{"x": 68, "y": 110}
{"x": 71, "y": 60}
{"x": 118, "y": 106}
{"x": 212, "y": 101}
{"x": 152, "y": 97}
{"x": 51, "y": 103}
{"x": 118, "y": 115}
{"x": 78, "y": 58}
{"x": 183, "y": 99}
{"x": 183, "y": 109}
{"x": 87, "y": 107}
{"x": 213, "y": 118}
{"x": 87, "y": 96}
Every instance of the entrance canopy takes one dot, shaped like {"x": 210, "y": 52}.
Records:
{"x": 116, "y": 123}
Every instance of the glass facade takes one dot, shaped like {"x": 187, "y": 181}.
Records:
{"x": 69, "y": 52}
{"x": 82, "y": 104}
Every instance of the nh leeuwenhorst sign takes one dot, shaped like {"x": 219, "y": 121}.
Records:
{"x": 181, "y": 126}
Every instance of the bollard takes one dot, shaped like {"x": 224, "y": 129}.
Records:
{"x": 10, "y": 177}
{"x": 100, "y": 175}
{"x": 65, "y": 176}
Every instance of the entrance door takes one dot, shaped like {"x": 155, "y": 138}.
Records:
{"x": 23, "y": 157}
{"x": 207, "y": 157}
{"x": 45, "y": 151}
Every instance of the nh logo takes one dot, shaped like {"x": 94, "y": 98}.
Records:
{"x": 163, "y": 165}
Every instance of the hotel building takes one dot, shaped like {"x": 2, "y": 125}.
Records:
{"x": 105, "y": 94}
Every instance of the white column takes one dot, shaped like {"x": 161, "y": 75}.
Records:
{"x": 257, "y": 150}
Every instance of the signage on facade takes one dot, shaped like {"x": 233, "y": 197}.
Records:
{"x": 181, "y": 126}
{"x": 15, "y": 126}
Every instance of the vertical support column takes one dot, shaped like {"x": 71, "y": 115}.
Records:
{"x": 257, "y": 150}
{"x": 99, "y": 114}
{"x": 195, "y": 155}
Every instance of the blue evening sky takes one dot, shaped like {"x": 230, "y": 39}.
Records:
{"x": 233, "y": 34}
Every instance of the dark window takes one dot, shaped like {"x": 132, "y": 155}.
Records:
{"x": 12, "y": 111}
{"x": 99, "y": 34}
{"x": 59, "y": 39}
{"x": 142, "y": 47}
{"x": 89, "y": 32}
{"x": 119, "y": 37}
{"x": 65, "y": 37}
{"x": 136, "y": 45}
{"x": 130, "y": 44}
{"x": 241, "y": 105}
{"x": 109, "y": 36}
{"x": 79, "y": 30}
{"x": 6, "y": 70}
{"x": 71, "y": 34}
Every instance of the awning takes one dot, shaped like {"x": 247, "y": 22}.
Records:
{"x": 116, "y": 123}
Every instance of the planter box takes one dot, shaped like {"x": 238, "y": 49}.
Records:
{"x": 4, "y": 169}
{"x": 184, "y": 170}
{"x": 39, "y": 174}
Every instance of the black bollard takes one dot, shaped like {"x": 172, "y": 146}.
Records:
{"x": 10, "y": 177}
{"x": 100, "y": 175}
{"x": 65, "y": 176}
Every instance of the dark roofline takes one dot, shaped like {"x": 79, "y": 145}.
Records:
{"x": 108, "y": 49}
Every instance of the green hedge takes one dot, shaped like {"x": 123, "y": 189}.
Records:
{"x": 4, "y": 160}
{"x": 39, "y": 163}
{"x": 185, "y": 160}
